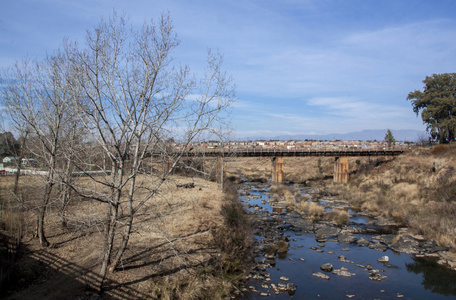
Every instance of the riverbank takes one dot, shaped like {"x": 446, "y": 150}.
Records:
{"x": 416, "y": 190}
{"x": 369, "y": 257}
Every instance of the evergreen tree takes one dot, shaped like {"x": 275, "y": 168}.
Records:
{"x": 389, "y": 138}
{"x": 437, "y": 104}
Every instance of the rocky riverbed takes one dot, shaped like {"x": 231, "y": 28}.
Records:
{"x": 368, "y": 258}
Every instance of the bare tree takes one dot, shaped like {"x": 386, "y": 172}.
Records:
{"x": 37, "y": 96}
{"x": 133, "y": 99}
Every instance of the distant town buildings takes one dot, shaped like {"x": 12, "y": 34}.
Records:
{"x": 295, "y": 145}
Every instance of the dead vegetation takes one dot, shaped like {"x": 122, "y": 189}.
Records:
{"x": 189, "y": 243}
{"x": 417, "y": 189}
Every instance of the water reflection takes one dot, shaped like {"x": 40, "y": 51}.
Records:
{"x": 436, "y": 279}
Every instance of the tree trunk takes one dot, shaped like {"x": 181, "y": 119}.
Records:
{"x": 123, "y": 244}
{"x": 126, "y": 236}
{"x": 42, "y": 237}
{"x": 111, "y": 232}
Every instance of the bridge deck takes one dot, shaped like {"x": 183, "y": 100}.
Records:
{"x": 291, "y": 153}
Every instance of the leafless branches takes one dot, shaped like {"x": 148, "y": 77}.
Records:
{"x": 99, "y": 110}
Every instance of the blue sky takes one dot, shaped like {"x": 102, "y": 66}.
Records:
{"x": 300, "y": 67}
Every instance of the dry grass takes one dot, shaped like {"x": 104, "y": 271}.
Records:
{"x": 172, "y": 239}
{"x": 285, "y": 194}
{"x": 313, "y": 211}
{"x": 338, "y": 216}
{"x": 309, "y": 170}
{"x": 417, "y": 189}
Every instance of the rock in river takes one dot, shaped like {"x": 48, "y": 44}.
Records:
{"x": 326, "y": 267}
{"x": 406, "y": 244}
{"x": 383, "y": 259}
{"x": 343, "y": 272}
{"x": 321, "y": 275}
{"x": 346, "y": 238}
{"x": 326, "y": 232}
{"x": 362, "y": 242}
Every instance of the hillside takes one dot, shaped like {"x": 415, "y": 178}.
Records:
{"x": 417, "y": 190}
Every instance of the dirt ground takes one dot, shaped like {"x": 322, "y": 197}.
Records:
{"x": 171, "y": 238}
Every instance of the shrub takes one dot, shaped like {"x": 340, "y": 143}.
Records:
{"x": 313, "y": 210}
{"x": 235, "y": 237}
{"x": 338, "y": 216}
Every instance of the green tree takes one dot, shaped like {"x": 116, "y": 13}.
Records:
{"x": 437, "y": 104}
{"x": 389, "y": 138}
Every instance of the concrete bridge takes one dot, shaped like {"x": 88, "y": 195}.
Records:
{"x": 341, "y": 168}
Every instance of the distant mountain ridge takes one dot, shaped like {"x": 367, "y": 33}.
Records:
{"x": 364, "y": 135}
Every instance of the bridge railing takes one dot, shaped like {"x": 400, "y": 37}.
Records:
{"x": 297, "y": 152}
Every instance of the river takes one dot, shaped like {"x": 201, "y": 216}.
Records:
{"x": 404, "y": 276}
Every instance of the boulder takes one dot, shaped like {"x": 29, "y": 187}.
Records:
{"x": 346, "y": 238}
{"x": 378, "y": 246}
{"x": 387, "y": 239}
{"x": 291, "y": 288}
{"x": 325, "y": 232}
{"x": 383, "y": 259}
{"x": 406, "y": 244}
{"x": 326, "y": 267}
{"x": 270, "y": 252}
{"x": 282, "y": 246}
{"x": 362, "y": 242}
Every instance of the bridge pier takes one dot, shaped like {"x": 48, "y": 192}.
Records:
{"x": 341, "y": 170}
{"x": 277, "y": 169}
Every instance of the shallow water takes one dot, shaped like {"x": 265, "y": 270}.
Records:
{"x": 407, "y": 276}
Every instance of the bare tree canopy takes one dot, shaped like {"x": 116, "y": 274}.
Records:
{"x": 106, "y": 107}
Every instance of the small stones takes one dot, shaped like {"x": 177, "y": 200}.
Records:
{"x": 375, "y": 275}
{"x": 349, "y": 296}
{"x": 283, "y": 278}
{"x": 344, "y": 259}
{"x": 302, "y": 259}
